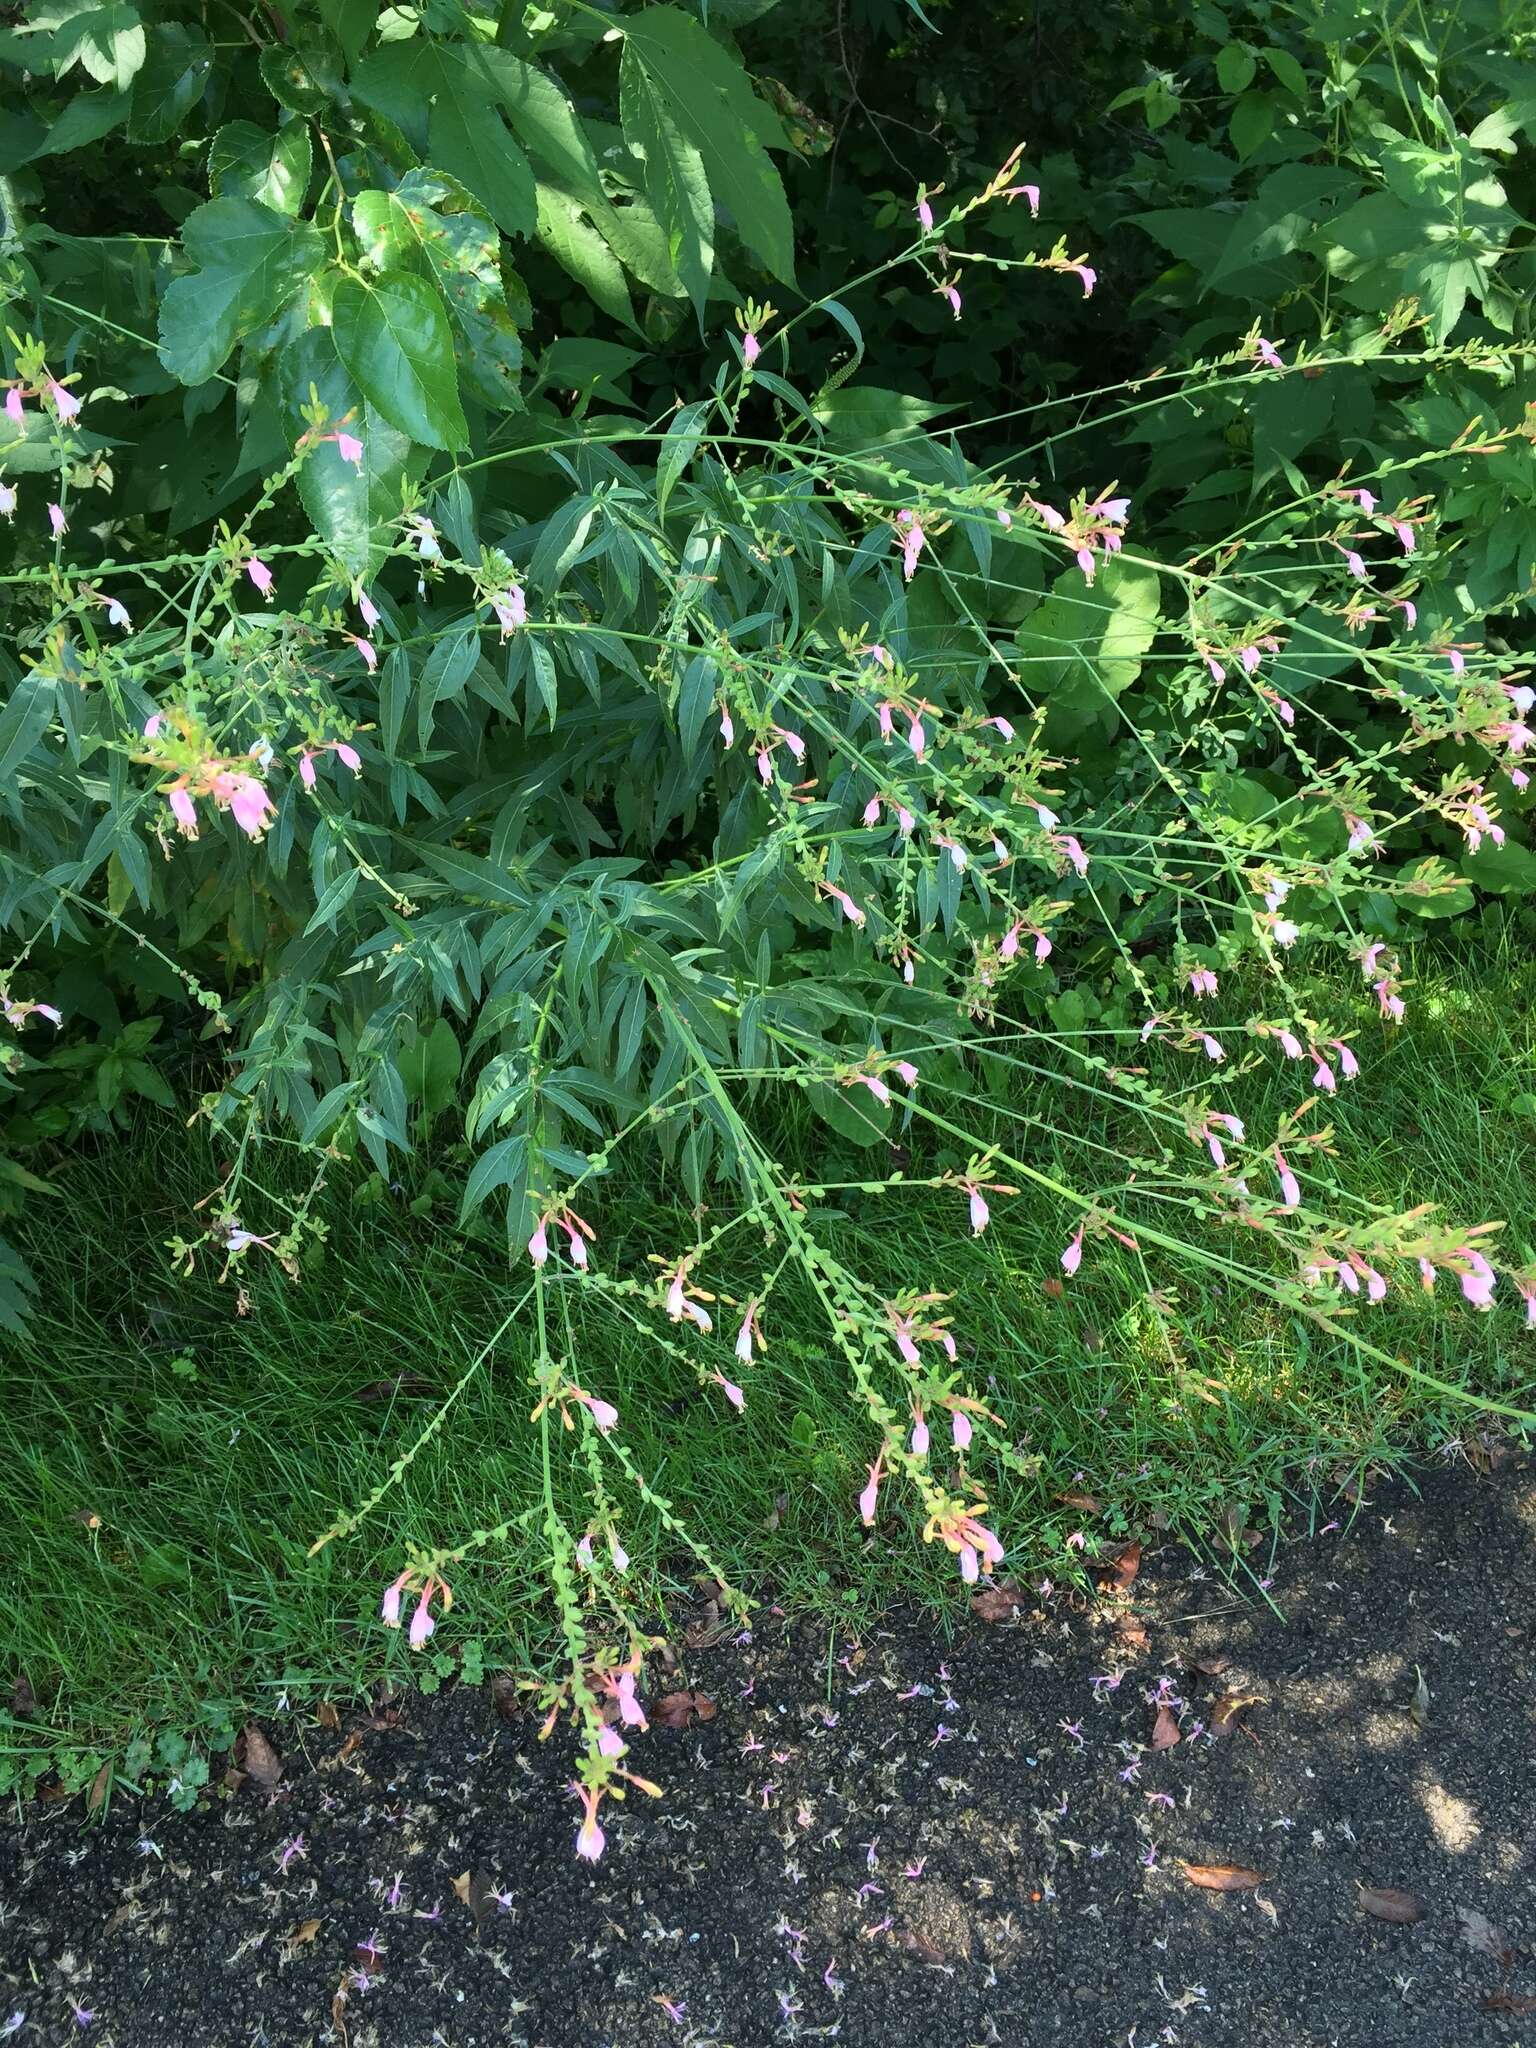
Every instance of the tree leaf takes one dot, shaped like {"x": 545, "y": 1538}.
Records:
{"x": 580, "y": 250}
{"x": 175, "y": 74}
{"x": 1222, "y": 1877}
{"x": 271, "y": 167}
{"x": 469, "y": 140}
{"x": 675, "y": 180}
{"x": 351, "y": 22}
{"x": 395, "y": 340}
{"x": 1402, "y": 1909}
{"x": 712, "y": 105}
{"x": 678, "y": 448}
{"x": 352, "y": 504}
{"x": 251, "y": 261}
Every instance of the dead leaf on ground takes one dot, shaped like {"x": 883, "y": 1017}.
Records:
{"x": 1224, "y": 1713}
{"x": 96, "y": 1797}
{"x": 232, "y": 1780}
{"x": 327, "y": 1717}
{"x": 1479, "y": 1933}
{"x": 350, "y": 1747}
{"x": 23, "y": 1698}
{"x": 1119, "y": 1571}
{"x": 925, "y": 1950}
{"x": 999, "y": 1603}
{"x": 682, "y": 1709}
{"x": 1165, "y": 1729}
{"x": 303, "y": 1934}
{"x": 1131, "y": 1633}
{"x": 262, "y": 1761}
{"x": 1418, "y": 1706}
{"x": 1212, "y": 1665}
{"x": 1222, "y": 1877}
{"x": 1520, "y": 2003}
{"x": 473, "y": 1890}
{"x": 1383, "y": 1902}
{"x": 1084, "y": 1502}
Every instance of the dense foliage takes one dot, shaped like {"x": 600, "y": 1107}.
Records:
{"x": 562, "y": 583}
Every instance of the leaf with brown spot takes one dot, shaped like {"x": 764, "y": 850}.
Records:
{"x": 1479, "y": 1933}
{"x": 327, "y": 1717}
{"x": 998, "y": 1603}
{"x": 1165, "y": 1729}
{"x": 1222, "y": 1877}
{"x": 1121, "y": 1570}
{"x": 261, "y": 1759}
{"x": 95, "y": 1799}
{"x": 1383, "y": 1903}
{"x": 1224, "y": 1713}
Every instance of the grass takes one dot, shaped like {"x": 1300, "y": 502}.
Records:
{"x": 165, "y": 1463}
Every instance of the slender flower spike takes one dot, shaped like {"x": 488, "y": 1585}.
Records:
{"x": 260, "y": 575}
{"x": 65, "y": 403}
{"x": 58, "y": 524}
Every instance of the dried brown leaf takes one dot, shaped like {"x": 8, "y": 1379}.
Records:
{"x": 23, "y": 1698}
{"x": 232, "y": 1780}
{"x": 1211, "y": 1666}
{"x": 403, "y": 1384}
{"x": 704, "y": 1707}
{"x": 673, "y": 1710}
{"x": 1520, "y": 2003}
{"x": 1084, "y": 1502}
{"x": 998, "y": 1603}
{"x": 95, "y": 1799}
{"x": 1119, "y": 1571}
{"x": 506, "y": 1698}
{"x": 1131, "y": 1633}
{"x": 1222, "y": 1877}
{"x": 261, "y": 1760}
{"x": 327, "y": 1717}
{"x": 350, "y": 1747}
{"x": 1479, "y": 1933}
{"x": 1382, "y": 1902}
{"x": 304, "y": 1933}
{"x": 1165, "y": 1729}
{"x": 1226, "y": 1710}
{"x": 925, "y": 1950}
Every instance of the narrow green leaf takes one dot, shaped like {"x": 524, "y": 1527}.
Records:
{"x": 678, "y": 448}
{"x": 675, "y": 180}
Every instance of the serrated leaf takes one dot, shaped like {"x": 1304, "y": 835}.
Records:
{"x": 710, "y": 103}
{"x": 394, "y": 338}
{"x": 1252, "y": 123}
{"x": 251, "y": 261}
{"x": 674, "y": 176}
{"x": 171, "y": 82}
{"x": 581, "y": 251}
{"x": 271, "y": 167}
{"x": 468, "y": 139}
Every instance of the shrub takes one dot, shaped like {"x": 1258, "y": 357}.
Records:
{"x": 419, "y": 713}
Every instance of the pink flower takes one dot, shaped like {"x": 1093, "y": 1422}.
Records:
{"x": 981, "y": 1215}
{"x": 1478, "y": 1280}
{"x": 57, "y": 521}
{"x": 260, "y": 575}
{"x": 960, "y": 1429}
{"x": 1353, "y": 563}
{"x": 1366, "y": 500}
{"x": 1088, "y": 277}
{"x": 349, "y": 757}
{"x": 1392, "y": 1005}
{"x": 1115, "y": 510}
{"x": 951, "y": 293}
{"x": 905, "y": 822}
{"x": 368, "y": 651}
{"x": 117, "y": 614}
{"x": 538, "y": 1244}
{"x": 1290, "y": 1044}
{"x": 424, "y": 533}
{"x": 1268, "y": 354}
{"x": 422, "y": 1624}
{"x": 924, "y": 214}
{"x": 1072, "y": 1257}
{"x": 917, "y": 739}
{"x": 590, "y": 1839}
{"x": 576, "y": 1248}
{"x": 765, "y": 764}
{"x": 908, "y": 1073}
{"x": 584, "y": 1553}
{"x": 511, "y": 609}
{"x": 1003, "y": 726}
{"x": 307, "y": 768}
{"x": 250, "y": 805}
{"x": 1404, "y": 533}
{"x": 1349, "y": 1066}
{"x": 920, "y": 1438}
{"x": 65, "y": 403}
{"x": 1322, "y": 1076}
{"x": 883, "y": 713}
{"x": 1250, "y": 657}
{"x": 1032, "y": 194}
{"x": 913, "y": 541}
{"x": 368, "y": 609}
{"x": 1290, "y": 1187}
{"x": 1010, "y": 945}
{"x": 872, "y": 811}
{"x": 153, "y": 725}
{"x": 609, "y": 1743}
{"x": 1218, "y": 673}
{"x": 390, "y": 1606}
{"x": 1454, "y": 656}
{"x": 1085, "y": 562}
{"x": 1202, "y": 981}
{"x": 1211, "y": 1047}
{"x": 1074, "y": 852}
{"x": 727, "y": 727}
{"x": 793, "y": 741}
{"x": 745, "y": 1335}
{"x": 751, "y": 349}
{"x": 15, "y": 411}
{"x": 7, "y": 502}
{"x": 731, "y": 1391}
{"x": 183, "y": 810}
{"x": 350, "y": 449}
{"x": 603, "y": 1413}
{"x": 845, "y": 903}
{"x": 870, "y": 1495}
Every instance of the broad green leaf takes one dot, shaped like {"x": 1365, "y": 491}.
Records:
{"x": 301, "y": 76}
{"x": 353, "y": 505}
{"x": 712, "y": 106}
{"x": 172, "y": 81}
{"x": 430, "y": 224}
{"x": 858, "y": 417}
{"x": 398, "y": 82}
{"x": 256, "y": 163}
{"x": 88, "y": 117}
{"x": 1083, "y": 646}
{"x": 852, "y": 1112}
{"x": 24, "y": 718}
{"x": 468, "y": 139}
{"x": 674, "y": 176}
{"x": 580, "y": 250}
{"x": 107, "y": 42}
{"x": 1287, "y": 72}
{"x": 1252, "y": 123}
{"x": 251, "y": 261}
{"x": 1235, "y": 66}
{"x": 351, "y": 22}
{"x": 397, "y": 345}
{"x": 545, "y": 122}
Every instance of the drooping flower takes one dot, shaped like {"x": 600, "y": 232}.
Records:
{"x": 1029, "y": 192}
{"x": 751, "y": 349}
{"x": 424, "y": 533}
{"x": 350, "y": 449}
{"x": 913, "y": 541}
{"x": 1268, "y": 354}
{"x": 1202, "y": 981}
{"x": 731, "y": 1391}
{"x": 1404, "y": 534}
{"x": 183, "y": 810}
{"x": 924, "y": 214}
{"x": 349, "y": 757}
{"x": 960, "y": 1428}
{"x": 58, "y": 524}
{"x": 727, "y": 727}
{"x": 1290, "y": 1187}
{"x": 1088, "y": 278}
{"x": 390, "y": 1606}
{"x": 368, "y": 609}
{"x": 307, "y": 768}
{"x": 249, "y": 804}
{"x": 1354, "y": 563}
{"x": 65, "y": 403}
{"x": 15, "y": 411}
{"x": 590, "y": 1839}
{"x": 951, "y": 295}
{"x": 7, "y": 502}
{"x": 260, "y": 575}
{"x": 871, "y": 1493}
{"x": 981, "y": 1214}
{"x": 117, "y": 614}
{"x": 368, "y": 651}
{"x": 1072, "y": 1257}
{"x": 538, "y": 1244}
{"x": 511, "y": 608}
{"x": 920, "y": 1437}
